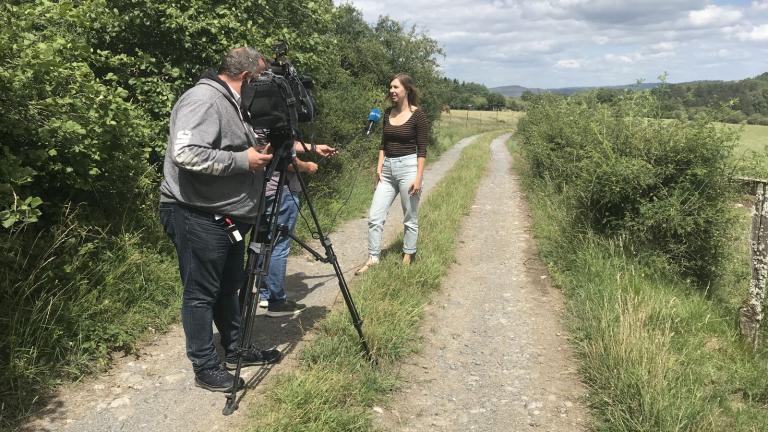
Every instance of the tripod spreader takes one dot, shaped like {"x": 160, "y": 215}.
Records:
{"x": 285, "y": 230}
{"x": 330, "y": 257}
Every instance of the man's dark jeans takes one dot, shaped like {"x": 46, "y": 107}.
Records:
{"x": 212, "y": 272}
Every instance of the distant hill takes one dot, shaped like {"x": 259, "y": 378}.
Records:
{"x": 517, "y": 91}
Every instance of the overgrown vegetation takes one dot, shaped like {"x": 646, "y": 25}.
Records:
{"x": 334, "y": 387}
{"x": 634, "y": 216}
{"x": 86, "y": 92}
{"x": 662, "y": 186}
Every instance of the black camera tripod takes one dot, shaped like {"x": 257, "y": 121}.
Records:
{"x": 260, "y": 252}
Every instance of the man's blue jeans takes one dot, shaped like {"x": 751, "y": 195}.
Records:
{"x": 274, "y": 289}
{"x": 212, "y": 271}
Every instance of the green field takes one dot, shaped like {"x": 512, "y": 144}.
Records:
{"x": 483, "y": 117}
{"x": 754, "y": 137}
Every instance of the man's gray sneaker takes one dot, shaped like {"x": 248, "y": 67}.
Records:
{"x": 216, "y": 379}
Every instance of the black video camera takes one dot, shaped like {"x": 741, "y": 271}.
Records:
{"x": 278, "y": 99}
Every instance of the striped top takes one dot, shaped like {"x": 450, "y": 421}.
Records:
{"x": 406, "y": 139}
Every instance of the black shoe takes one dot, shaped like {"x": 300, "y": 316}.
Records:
{"x": 284, "y": 308}
{"x": 216, "y": 379}
{"x": 255, "y": 357}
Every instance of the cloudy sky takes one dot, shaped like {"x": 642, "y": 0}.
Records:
{"x": 561, "y": 43}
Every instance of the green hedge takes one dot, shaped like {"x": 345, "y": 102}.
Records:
{"x": 660, "y": 185}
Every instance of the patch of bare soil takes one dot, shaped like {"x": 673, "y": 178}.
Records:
{"x": 496, "y": 357}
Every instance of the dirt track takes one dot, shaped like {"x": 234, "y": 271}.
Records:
{"x": 496, "y": 358}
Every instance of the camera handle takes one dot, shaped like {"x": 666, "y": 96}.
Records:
{"x": 260, "y": 253}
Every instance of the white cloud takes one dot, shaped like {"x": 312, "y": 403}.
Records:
{"x": 714, "y": 15}
{"x": 626, "y": 59}
{"x": 760, "y": 5}
{"x": 663, "y": 46}
{"x": 568, "y": 64}
{"x": 756, "y": 34}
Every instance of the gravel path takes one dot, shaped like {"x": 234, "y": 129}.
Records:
{"x": 154, "y": 390}
{"x": 496, "y": 357}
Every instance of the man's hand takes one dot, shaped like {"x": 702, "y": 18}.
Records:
{"x": 303, "y": 166}
{"x": 325, "y": 150}
{"x": 257, "y": 160}
{"x": 308, "y": 167}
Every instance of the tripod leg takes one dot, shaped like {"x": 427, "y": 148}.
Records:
{"x": 257, "y": 266}
{"x": 330, "y": 256}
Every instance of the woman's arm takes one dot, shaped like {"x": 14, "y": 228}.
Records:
{"x": 379, "y": 167}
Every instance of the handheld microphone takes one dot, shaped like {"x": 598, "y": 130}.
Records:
{"x": 373, "y": 118}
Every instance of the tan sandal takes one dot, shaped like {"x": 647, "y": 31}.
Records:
{"x": 408, "y": 258}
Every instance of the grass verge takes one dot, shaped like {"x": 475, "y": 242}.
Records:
{"x": 657, "y": 354}
{"x": 81, "y": 296}
{"x": 334, "y": 388}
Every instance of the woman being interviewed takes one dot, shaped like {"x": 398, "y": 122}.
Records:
{"x": 400, "y": 168}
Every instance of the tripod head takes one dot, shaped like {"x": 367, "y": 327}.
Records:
{"x": 281, "y": 141}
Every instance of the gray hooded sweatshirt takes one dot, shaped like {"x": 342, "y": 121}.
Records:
{"x": 206, "y": 166}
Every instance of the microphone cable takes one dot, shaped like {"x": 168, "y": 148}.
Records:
{"x": 358, "y": 169}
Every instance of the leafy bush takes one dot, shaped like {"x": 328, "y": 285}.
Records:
{"x": 69, "y": 135}
{"x": 735, "y": 117}
{"x": 658, "y": 184}
{"x": 60, "y": 307}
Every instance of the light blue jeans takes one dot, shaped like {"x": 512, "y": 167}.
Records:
{"x": 397, "y": 175}
{"x": 274, "y": 289}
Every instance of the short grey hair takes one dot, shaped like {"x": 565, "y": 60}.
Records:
{"x": 239, "y": 60}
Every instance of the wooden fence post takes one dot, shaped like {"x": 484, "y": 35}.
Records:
{"x": 751, "y": 311}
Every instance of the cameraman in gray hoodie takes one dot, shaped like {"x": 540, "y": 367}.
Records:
{"x": 213, "y": 176}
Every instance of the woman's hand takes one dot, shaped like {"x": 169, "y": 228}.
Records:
{"x": 415, "y": 187}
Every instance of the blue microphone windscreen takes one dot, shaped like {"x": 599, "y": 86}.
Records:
{"x": 375, "y": 115}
